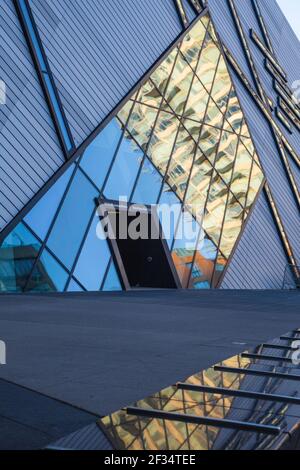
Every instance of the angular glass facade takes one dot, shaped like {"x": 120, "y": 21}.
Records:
{"x": 182, "y": 137}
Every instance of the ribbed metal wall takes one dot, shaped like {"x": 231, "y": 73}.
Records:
{"x": 98, "y": 50}
{"x": 29, "y": 149}
{"x": 259, "y": 261}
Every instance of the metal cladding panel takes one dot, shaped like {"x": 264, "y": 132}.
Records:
{"x": 99, "y": 50}
{"x": 224, "y": 23}
{"x": 30, "y": 152}
{"x": 259, "y": 261}
{"x": 249, "y": 20}
{"x": 285, "y": 41}
{"x": 273, "y": 167}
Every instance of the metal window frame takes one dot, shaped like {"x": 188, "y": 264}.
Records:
{"x": 204, "y": 421}
{"x": 232, "y": 392}
{"x": 67, "y": 150}
{"x": 104, "y": 207}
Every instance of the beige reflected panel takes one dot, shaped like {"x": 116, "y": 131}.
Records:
{"x": 215, "y": 209}
{"x": 241, "y": 174}
{"x": 208, "y": 63}
{"x": 213, "y": 116}
{"x": 232, "y": 226}
{"x": 222, "y": 86}
{"x": 179, "y": 85}
{"x": 192, "y": 44}
{"x": 199, "y": 185}
{"x": 163, "y": 140}
{"x": 234, "y": 113}
{"x": 181, "y": 162}
{"x": 209, "y": 142}
{"x": 141, "y": 123}
{"x": 124, "y": 113}
{"x": 161, "y": 75}
{"x": 150, "y": 95}
{"x": 197, "y": 102}
{"x": 226, "y": 155}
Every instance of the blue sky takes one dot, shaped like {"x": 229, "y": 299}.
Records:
{"x": 291, "y": 9}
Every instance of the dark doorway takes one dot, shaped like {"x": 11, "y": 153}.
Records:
{"x": 144, "y": 262}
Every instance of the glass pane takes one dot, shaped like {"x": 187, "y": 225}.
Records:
{"x": 74, "y": 287}
{"x": 18, "y": 253}
{"x": 208, "y": 63}
{"x": 162, "y": 140}
{"x": 226, "y": 155}
{"x": 41, "y": 216}
{"x": 48, "y": 275}
{"x": 222, "y": 86}
{"x": 203, "y": 267}
{"x": 125, "y": 169}
{"x": 215, "y": 210}
{"x": 234, "y": 113}
{"x": 213, "y": 116}
{"x": 179, "y": 85}
{"x": 187, "y": 234}
{"x": 161, "y": 75}
{"x": 150, "y": 95}
{"x": 94, "y": 258}
{"x": 199, "y": 185}
{"x": 232, "y": 226}
{"x": 181, "y": 162}
{"x": 197, "y": 102}
{"x": 241, "y": 174}
{"x": 169, "y": 210}
{"x": 72, "y": 220}
{"x": 141, "y": 124}
{"x": 209, "y": 142}
{"x": 98, "y": 156}
{"x": 112, "y": 281}
{"x": 192, "y": 44}
{"x": 148, "y": 186}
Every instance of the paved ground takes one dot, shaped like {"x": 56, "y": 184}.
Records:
{"x": 100, "y": 352}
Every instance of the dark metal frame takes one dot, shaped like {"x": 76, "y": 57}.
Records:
{"x": 105, "y": 206}
{"x": 258, "y": 373}
{"x": 231, "y": 392}
{"x": 41, "y": 74}
{"x": 199, "y": 420}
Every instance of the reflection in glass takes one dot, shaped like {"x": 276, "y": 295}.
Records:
{"x": 72, "y": 221}
{"x": 134, "y": 432}
{"x": 18, "y": 254}
{"x": 124, "y": 170}
{"x": 112, "y": 281}
{"x": 99, "y": 154}
{"x": 48, "y": 275}
{"x": 41, "y": 216}
{"x": 148, "y": 185}
{"x": 94, "y": 258}
{"x": 187, "y": 234}
{"x": 74, "y": 286}
{"x": 182, "y": 128}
